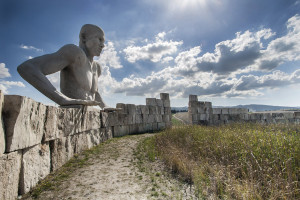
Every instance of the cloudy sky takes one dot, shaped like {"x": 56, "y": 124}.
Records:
{"x": 229, "y": 52}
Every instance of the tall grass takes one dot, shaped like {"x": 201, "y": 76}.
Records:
{"x": 238, "y": 161}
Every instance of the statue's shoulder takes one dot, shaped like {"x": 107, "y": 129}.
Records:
{"x": 71, "y": 50}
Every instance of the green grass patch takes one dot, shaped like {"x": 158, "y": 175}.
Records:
{"x": 238, "y": 161}
{"x": 176, "y": 122}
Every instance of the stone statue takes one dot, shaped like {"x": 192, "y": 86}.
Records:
{"x": 79, "y": 73}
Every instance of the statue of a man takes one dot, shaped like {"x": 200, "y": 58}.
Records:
{"x": 79, "y": 73}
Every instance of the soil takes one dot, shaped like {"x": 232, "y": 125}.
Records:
{"x": 117, "y": 173}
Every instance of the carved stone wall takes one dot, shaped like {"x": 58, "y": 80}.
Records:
{"x": 36, "y": 139}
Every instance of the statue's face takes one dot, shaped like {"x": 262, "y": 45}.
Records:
{"x": 95, "y": 43}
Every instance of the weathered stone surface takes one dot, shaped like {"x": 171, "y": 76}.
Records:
{"x": 166, "y": 118}
{"x": 164, "y": 96}
{"x": 158, "y": 118}
{"x": 151, "y": 102}
{"x": 111, "y": 119}
{"x": 2, "y": 136}
{"x": 61, "y": 151}
{"x": 121, "y": 131}
{"x": 10, "y": 166}
{"x": 161, "y": 110}
{"x": 225, "y": 111}
{"x": 90, "y": 120}
{"x": 134, "y": 129}
{"x": 51, "y": 124}
{"x": 68, "y": 121}
{"x": 153, "y": 110}
{"x": 138, "y": 110}
{"x": 167, "y": 103}
{"x": 24, "y": 121}
{"x": 167, "y": 111}
{"x": 138, "y": 119}
{"x": 145, "y": 109}
{"x": 217, "y": 110}
{"x": 35, "y": 166}
{"x": 193, "y": 98}
{"x": 123, "y": 107}
{"x": 80, "y": 142}
{"x": 131, "y": 109}
{"x": 155, "y": 127}
{"x": 159, "y": 102}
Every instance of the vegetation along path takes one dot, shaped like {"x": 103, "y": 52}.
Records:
{"x": 116, "y": 169}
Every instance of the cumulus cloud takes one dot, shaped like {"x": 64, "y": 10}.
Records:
{"x": 55, "y": 79}
{"x": 153, "y": 51}
{"x": 285, "y": 48}
{"x": 30, "y": 48}
{"x": 4, "y": 71}
{"x": 215, "y": 73}
{"x": 109, "y": 57}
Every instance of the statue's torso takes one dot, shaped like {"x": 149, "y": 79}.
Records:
{"x": 79, "y": 80}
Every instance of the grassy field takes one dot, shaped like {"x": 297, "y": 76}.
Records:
{"x": 239, "y": 161}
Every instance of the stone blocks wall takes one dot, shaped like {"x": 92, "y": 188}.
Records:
{"x": 36, "y": 139}
{"x": 202, "y": 113}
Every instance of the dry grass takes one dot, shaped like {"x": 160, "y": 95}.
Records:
{"x": 240, "y": 161}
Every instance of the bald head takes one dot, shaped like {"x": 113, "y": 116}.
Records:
{"x": 88, "y": 30}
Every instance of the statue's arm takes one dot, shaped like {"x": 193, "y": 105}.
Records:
{"x": 34, "y": 71}
{"x": 98, "y": 97}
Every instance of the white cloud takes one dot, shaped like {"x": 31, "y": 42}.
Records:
{"x": 109, "y": 57}
{"x": 4, "y": 71}
{"x": 215, "y": 74}
{"x": 55, "y": 79}
{"x": 153, "y": 51}
{"x": 30, "y": 48}
{"x": 5, "y": 85}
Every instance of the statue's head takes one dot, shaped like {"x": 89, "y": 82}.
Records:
{"x": 91, "y": 38}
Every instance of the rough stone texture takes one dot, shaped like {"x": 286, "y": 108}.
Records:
{"x": 79, "y": 142}
{"x": 10, "y": 166}
{"x": 2, "y": 136}
{"x": 193, "y": 98}
{"x": 35, "y": 166}
{"x": 24, "y": 121}
{"x": 164, "y": 96}
{"x": 151, "y": 102}
{"x": 51, "y": 124}
{"x": 121, "y": 131}
{"x": 61, "y": 151}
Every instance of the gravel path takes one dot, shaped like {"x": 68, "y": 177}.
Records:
{"x": 116, "y": 173}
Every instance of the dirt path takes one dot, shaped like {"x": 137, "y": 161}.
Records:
{"x": 116, "y": 173}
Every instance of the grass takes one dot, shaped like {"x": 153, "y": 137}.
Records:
{"x": 238, "y": 161}
{"x": 176, "y": 122}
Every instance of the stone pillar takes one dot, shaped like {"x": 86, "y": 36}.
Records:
{"x": 167, "y": 116}
{"x": 199, "y": 112}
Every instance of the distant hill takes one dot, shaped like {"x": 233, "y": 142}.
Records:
{"x": 251, "y": 107}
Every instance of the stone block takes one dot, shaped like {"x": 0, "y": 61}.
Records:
{"x": 193, "y": 110}
{"x": 201, "y": 109}
{"x": 97, "y": 136}
{"x": 153, "y": 110}
{"x": 145, "y": 109}
{"x": 104, "y": 119}
{"x": 90, "y": 120}
{"x": 61, "y": 151}
{"x": 159, "y": 102}
{"x": 138, "y": 110}
{"x": 158, "y": 118}
{"x": 10, "y": 166}
{"x": 35, "y": 166}
{"x": 225, "y": 111}
{"x": 208, "y": 104}
{"x": 297, "y": 115}
{"x": 111, "y": 119}
{"x": 166, "y": 118}
{"x": 141, "y": 128}
{"x": 161, "y": 110}
{"x": 204, "y": 117}
{"x": 69, "y": 120}
{"x": 51, "y": 131}
{"x": 134, "y": 129}
{"x": 167, "y": 111}
{"x": 193, "y": 104}
{"x": 80, "y": 142}
{"x": 161, "y": 126}
{"x": 131, "y": 109}
{"x": 193, "y": 98}
{"x": 138, "y": 119}
{"x": 195, "y": 117}
{"x": 155, "y": 127}
{"x": 2, "y": 136}
{"x": 277, "y": 116}
{"x": 217, "y": 111}
{"x": 148, "y": 127}
{"x": 151, "y": 102}
{"x": 167, "y": 103}
{"x": 24, "y": 121}
{"x": 164, "y": 96}
{"x": 288, "y": 115}
{"x": 121, "y": 131}
{"x": 148, "y": 119}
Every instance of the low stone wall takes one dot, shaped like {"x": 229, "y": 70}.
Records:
{"x": 36, "y": 139}
{"x": 202, "y": 113}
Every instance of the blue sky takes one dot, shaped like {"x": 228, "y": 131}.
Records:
{"x": 229, "y": 52}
